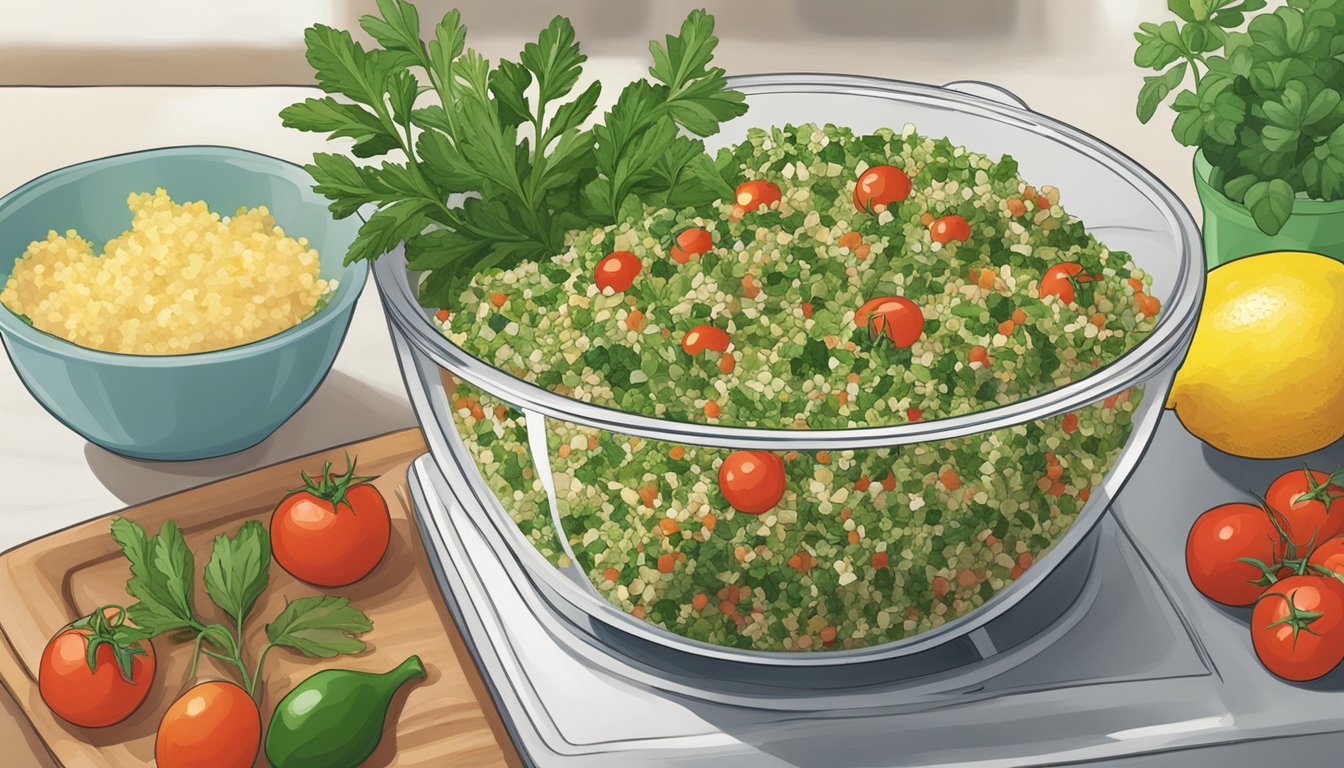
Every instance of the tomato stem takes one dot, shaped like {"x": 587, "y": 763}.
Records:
{"x": 1319, "y": 491}
{"x": 1298, "y": 619}
{"x": 111, "y": 631}
{"x": 332, "y": 488}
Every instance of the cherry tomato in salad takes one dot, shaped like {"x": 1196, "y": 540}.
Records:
{"x": 1217, "y": 541}
{"x": 899, "y": 318}
{"x": 333, "y": 530}
{"x": 753, "y": 194}
{"x": 214, "y": 724}
{"x": 691, "y": 242}
{"x": 1059, "y": 281}
{"x": 880, "y": 185}
{"x": 949, "y": 228}
{"x": 752, "y": 481}
{"x": 93, "y": 673}
{"x": 703, "y": 337}
{"x": 617, "y": 271}
{"x": 1300, "y": 497}
{"x": 1297, "y": 627}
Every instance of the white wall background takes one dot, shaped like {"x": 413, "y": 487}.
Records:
{"x": 119, "y": 42}
{"x": 1068, "y": 58}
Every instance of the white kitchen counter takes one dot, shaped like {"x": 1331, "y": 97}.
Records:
{"x": 52, "y": 478}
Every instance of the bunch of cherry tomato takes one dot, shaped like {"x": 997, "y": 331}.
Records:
{"x": 1285, "y": 557}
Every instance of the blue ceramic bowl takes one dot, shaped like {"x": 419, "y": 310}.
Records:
{"x": 177, "y": 406}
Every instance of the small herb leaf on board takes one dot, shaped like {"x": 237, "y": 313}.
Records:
{"x": 322, "y": 626}
{"x": 162, "y": 574}
{"x": 236, "y": 575}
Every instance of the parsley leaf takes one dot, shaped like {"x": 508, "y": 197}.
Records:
{"x": 815, "y": 358}
{"x": 322, "y": 626}
{"x": 236, "y": 573}
{"x": 162, "y": 575}
{"x": 510, "y": 138}
{"x": 340, "y": 120}
{"x": 1270, "y": 203}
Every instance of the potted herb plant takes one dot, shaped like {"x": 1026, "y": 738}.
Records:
{"x": 1264, "y": 111}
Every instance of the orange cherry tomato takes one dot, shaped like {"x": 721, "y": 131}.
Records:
{"x": 703, "y": 337}
{"x": 949, "y": 228}
{"x": 213, "y": 725}
{"x": 897, "y": 317}
{"x": 1059, "y": 281}
{"x": 333, "y": 531}
{"x": 753, "y": 194}
{"x": 752, "y": 481}
{"x": 104, "y": 694}
{"x": 617, "y": 271}
{"x": 691, "y": 242}
{"x": 880, "y": 185}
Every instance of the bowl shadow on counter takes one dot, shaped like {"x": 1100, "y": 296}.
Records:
{"x": 342, "y": 410}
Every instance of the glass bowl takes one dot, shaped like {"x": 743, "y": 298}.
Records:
{"x": 946, "y": 593}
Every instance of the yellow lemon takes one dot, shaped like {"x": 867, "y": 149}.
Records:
{"x": 1265, "y": 375}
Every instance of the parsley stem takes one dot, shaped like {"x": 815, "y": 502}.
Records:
{"x": 195, "y": 658}
{"x": 256, "y": 677}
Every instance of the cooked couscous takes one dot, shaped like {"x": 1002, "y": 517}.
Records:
{"x": 182, "y": 279}
{"x": 855, "y": 280}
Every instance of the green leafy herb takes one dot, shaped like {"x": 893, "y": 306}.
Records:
{"x": 1265, "y": 102}
{"x": 512, "y": 135}
{"x": 815, "y": 358}
{"x": 161, "y": 576}
{"x": 237, "y": 574}
{"x": 322, "y": 626}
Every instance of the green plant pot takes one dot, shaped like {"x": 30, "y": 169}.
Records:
{"x": 1230, "y": 232}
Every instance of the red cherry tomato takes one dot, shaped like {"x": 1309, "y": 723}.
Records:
{"x": 617, "y": 271}
{"x": 703, "y": 337}
{"x": 1218, "y": 539}
{"x": 333, "y": 531}
{"x": 880, "y": 185}
{"x": 753, "y": 194}
{"x": 1059, "y": 280}
{"x": 949, "y": 228}
{"x": 1297, "y": 627}
{"x": 1299, "y": 497}
{"x": 1329, "y": 555}
{"x": 691, "y": 242}
{"x": 752, "y": 481}
{"x": 104, "y": 694}
{"x": 897, "y": 317}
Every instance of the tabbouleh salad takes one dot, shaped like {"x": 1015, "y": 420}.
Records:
{"x": 854, "y": 280}
{"x": 807, "y": 278}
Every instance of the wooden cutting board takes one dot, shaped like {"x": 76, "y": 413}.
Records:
{"x": 447, "y": 719}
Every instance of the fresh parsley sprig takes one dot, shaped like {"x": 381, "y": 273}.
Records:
{"x": 1265, "y": 107}
{"x": 163, "y": 579}
{"x": 505, "y": 143}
